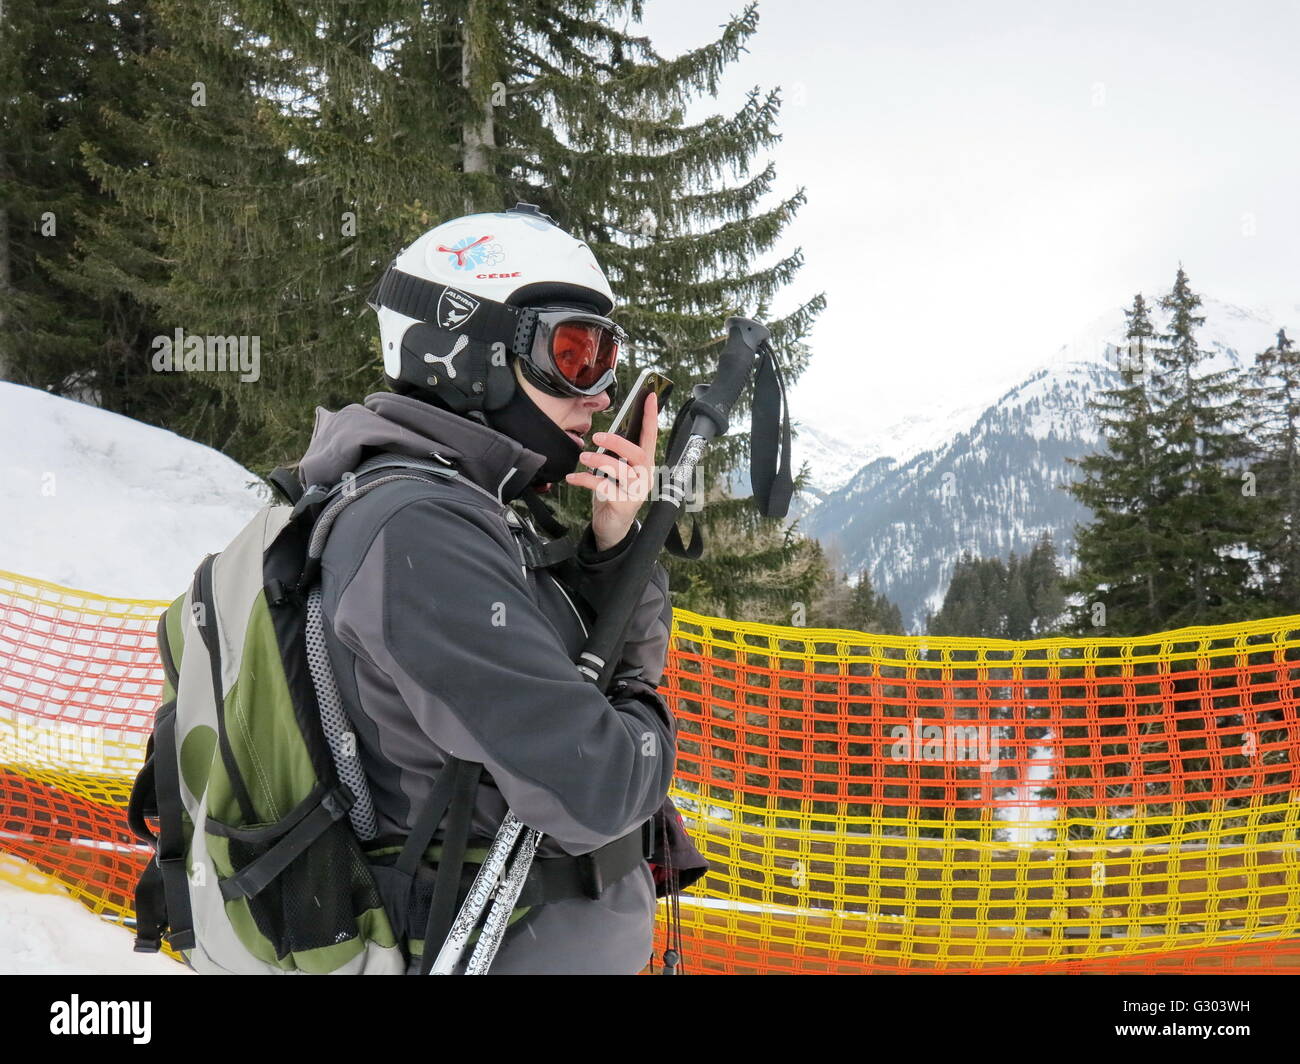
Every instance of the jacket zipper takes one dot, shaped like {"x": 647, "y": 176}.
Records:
{"x": 558, "y": 586}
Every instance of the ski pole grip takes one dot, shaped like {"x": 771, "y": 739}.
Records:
{"x": 735, "y": 365}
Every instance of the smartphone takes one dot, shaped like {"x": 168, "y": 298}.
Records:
{"x": 627, "y": 422}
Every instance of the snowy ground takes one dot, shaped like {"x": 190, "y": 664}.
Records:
{"x": 54, "y": 934}
{"x": 101, "y": 503}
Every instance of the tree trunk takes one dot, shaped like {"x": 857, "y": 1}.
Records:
{"x": 5, "y": 274}
{"x": 479, "y": 135}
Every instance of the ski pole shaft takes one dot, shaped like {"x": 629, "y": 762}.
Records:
{"x": 480, "y": 893}
{"x": 494, "y": 927}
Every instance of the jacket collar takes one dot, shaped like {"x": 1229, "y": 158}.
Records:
{"x": 402, "y": 424}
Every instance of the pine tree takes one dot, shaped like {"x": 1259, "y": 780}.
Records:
{"x": 329, "y": 136}
{"x": 1019, "y": 620}
{"x": 975, "y": 602}
{"x": 1015, "y": 599}
{"x": 856, "y": 606}
{"x": 1043, "y": 585}
{"x": 1203, "y": 519}
{"x": 1274, "y": 397}
{"x": 1196, "y": 523}
{"x": 70, "y": 329}
{"x": 1120, "y": 553}
{"x": 871, "y": 611}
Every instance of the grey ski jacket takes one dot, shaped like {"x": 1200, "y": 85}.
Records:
{"x": 444, "y": 642}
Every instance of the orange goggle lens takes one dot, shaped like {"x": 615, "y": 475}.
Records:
{"x": 583, "y": 351}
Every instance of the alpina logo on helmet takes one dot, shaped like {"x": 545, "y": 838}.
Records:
{"x": 474, "y": 254}
{"x": 455, "y": 308}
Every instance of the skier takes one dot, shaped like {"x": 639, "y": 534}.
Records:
{"x": 453, "y": 624}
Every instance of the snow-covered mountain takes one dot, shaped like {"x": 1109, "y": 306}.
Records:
{"x": 995, "y": 486}
{"x": 833, "y": 458}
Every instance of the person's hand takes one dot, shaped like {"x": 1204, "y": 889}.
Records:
{"x": 615, "y": 502}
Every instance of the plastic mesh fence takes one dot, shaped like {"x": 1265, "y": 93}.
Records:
{"x": 869, "y": 803}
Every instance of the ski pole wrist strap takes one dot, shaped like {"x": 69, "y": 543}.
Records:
{"x": 769, "y": 442}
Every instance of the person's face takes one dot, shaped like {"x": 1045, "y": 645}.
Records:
{"x": 573, "y": 414}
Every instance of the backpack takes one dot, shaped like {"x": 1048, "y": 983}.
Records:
{"x": 261, "y": 863}
{"x": 251, "y": 770}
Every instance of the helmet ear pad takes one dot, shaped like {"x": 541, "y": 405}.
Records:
{"x": 464, "y": 374}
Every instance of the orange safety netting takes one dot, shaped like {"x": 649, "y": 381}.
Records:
{"x": 868, "y": 803}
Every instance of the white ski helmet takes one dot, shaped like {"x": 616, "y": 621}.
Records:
{"x": 447, "y": 303}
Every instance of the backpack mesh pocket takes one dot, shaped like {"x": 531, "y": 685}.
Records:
{"x": 318, "y": 899}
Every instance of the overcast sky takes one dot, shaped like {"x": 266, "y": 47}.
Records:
{"x": 986, "y": 177}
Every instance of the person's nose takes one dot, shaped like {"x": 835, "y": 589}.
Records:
{"x": 597, "y": 403}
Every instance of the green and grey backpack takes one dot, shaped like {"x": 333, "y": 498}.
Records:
{"x": 252, "y": 771}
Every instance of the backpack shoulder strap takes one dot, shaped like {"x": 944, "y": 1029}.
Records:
{"x": 332, "y": 501}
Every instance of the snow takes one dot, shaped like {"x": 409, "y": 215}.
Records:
{"x": 54, "y": 934}
{"x": 1245, "y": 331}
{"x": 832, "y": 459}
{"x": 107, "y": 504}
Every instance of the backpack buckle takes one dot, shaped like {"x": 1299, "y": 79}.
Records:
{"x": 313, "y": 496}
{"x": 589, "y": 876}
{"x": 338, "y": 801}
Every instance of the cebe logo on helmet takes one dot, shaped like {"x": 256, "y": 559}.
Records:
{"x": 446, "y": 330}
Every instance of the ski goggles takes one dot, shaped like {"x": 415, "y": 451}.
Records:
{"x": 569, "y": 352}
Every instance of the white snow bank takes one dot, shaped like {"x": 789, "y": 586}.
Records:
{"x": 54, "y": 934}
{"x": 100, "y": 502}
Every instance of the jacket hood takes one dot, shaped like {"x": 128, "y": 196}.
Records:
{"x": 401, "y": 424}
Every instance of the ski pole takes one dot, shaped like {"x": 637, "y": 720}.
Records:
{"x": 494, "y": 927}
{"x": 480, "y": 893}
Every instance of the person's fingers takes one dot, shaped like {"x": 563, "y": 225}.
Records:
{"x": 618, "y": 448}
{"x": 614, "y": 466}
{"x": 631, "y": 480}
{"x": 650, "y": 424}
{"x": 605, "y": 490}
{"x": 622, "y": 446}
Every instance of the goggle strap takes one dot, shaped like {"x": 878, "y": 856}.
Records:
{"x": 417, "y": 298}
